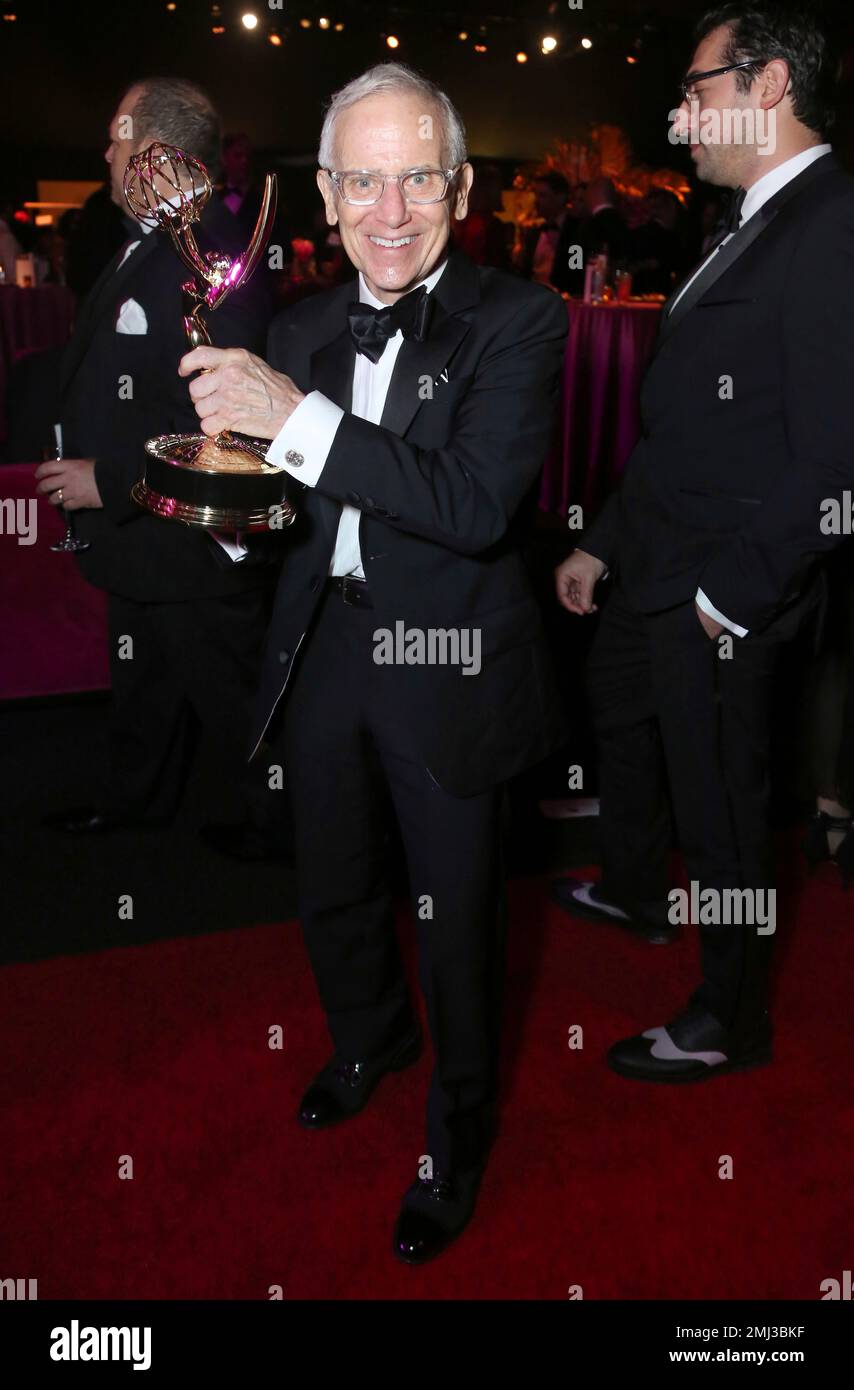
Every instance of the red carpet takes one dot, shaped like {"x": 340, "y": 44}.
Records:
{"x": 53, "y": 637}
{"x": 161, "y": 1053}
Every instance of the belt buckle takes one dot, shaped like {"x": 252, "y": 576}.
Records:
{"x": 346, "y": 582}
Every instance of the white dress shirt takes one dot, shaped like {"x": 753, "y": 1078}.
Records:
{"x": 311, "y": 429}
{"x": 757, "y": 195}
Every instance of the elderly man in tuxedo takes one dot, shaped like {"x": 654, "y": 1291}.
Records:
{"x": 413, "y": 410}
{"x": 716, "y": 536}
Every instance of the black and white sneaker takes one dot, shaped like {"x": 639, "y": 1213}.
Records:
{"x": 694, "y": 1047}
{"x": 583, "y": 898}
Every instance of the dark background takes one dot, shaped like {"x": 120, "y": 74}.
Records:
{"x": 65, "y": 65}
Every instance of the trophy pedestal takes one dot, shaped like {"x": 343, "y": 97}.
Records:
{"x": 203, "y": 482}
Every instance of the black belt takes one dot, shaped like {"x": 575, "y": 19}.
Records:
{"x": 351, "y": 590}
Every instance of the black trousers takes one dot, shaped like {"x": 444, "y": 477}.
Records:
{"x": 680, "y": 719}
{"x": 190, "y": 663}
{"x": 350, "y": 763}
{"x": 831, "y": 695}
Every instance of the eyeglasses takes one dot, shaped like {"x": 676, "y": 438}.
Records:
{"x": 362, "y": 187}
{"x": 694, "y": 77}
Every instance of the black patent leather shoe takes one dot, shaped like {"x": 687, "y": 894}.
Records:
{"x": 248, "y": 843}
{"x": 343, "y": 1088}
{"x": 694, "y": 1047}
{"x": 435, "y": 1211}
{"x": 88, "y": 820}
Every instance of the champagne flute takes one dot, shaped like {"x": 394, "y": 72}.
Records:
{"x": 70, "y": 541}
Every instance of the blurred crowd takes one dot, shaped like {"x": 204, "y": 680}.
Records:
{"x": 655, "y": 239}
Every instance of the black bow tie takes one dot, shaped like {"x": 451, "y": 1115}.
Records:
{"x": 733, "y": 221}
{"x": 372, "y": 328}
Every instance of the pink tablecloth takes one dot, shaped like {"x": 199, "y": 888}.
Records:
{"x": 607, "y": 352}
{"x": 53, "y": 637}
{"x": 31, "y": 319}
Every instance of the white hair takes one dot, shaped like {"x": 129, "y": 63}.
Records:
{"x": 394, "y": 77}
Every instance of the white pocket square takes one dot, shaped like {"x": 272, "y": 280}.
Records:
{"x": 131, "y": 318}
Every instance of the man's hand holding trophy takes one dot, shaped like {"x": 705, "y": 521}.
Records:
{"x": 222, "y": 482}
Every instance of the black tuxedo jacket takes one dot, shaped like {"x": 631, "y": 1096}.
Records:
{"x": 439, "y": 482}
{"x": 724, "y": 490}
{"x": 132, "y": 553}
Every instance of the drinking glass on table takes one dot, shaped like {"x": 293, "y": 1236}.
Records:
{"x": 622, "y": 285}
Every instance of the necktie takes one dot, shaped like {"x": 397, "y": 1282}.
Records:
{"x": 372, "y": 328}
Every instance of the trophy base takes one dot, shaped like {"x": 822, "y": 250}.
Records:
{"x": 203, "y": 482}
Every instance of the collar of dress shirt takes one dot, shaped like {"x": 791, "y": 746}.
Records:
{"x": 365, "y": 296}
{"x": 152, "y": 226}
{"x": 776, "y": 179}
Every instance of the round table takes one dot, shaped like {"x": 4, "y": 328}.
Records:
{"x": 607, "y": 352}
{"x": 53, "y": 639}
{"x": 37, "y": 317}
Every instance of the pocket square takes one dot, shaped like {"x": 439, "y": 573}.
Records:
{"x": 131, "y": 318}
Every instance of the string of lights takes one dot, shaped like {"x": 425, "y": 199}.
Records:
{"x": 516, "y": 32}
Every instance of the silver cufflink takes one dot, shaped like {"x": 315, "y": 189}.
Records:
{"x": 295, "y": 459}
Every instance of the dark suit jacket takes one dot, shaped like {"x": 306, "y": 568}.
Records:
{"x": 605, "y": 231}
{"x": 132, "y": 553}
{"x": 650, "y": 242}
{"x": 726, "y": 494}
{"x": 439, "y": 484}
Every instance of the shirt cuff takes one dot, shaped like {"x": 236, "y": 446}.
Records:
{"x": 712, "y": 612}
{"x": 307, "y": 438}
{"x": 232, "y": 545}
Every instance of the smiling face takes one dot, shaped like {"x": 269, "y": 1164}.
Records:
{"x": 395, "y": 244}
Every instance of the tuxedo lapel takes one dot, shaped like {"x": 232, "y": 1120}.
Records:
{"x": 718, "y": 266}
{"x": 417, "y": 362}
{"x": 331, "y": 373}
{"x": 738, "y": 244}
{"x": 457, "y": 290}
{"x": 101, "y": 298}
{"x": 332, "y": 368}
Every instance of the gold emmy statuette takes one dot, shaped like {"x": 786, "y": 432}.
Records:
{"x": 224, "y": 483}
